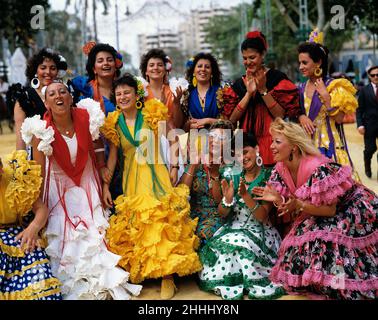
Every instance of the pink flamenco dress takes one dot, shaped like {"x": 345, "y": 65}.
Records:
{"x": 332, "y": 257}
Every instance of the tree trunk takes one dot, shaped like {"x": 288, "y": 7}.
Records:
{"x": 94, "y": 7}
{"x": 286, "y": 16}
{"x": 321, "y": 15}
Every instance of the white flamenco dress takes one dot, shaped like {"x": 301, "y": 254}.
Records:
{"x": 75, "y": 234}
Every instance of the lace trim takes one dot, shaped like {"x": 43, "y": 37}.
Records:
{"x": 96, "y": 116}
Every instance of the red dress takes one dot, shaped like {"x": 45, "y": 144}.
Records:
{"x": 257, "y": 118}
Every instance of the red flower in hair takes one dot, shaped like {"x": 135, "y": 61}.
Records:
{"x": 88, "y": 47}
{"x": 256, "y": 34}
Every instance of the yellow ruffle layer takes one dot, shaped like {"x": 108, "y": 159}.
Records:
{"x": 34, "y": 291}
{"x": 343, "y": 97}
{"x": 154, "y": 237}
{"x": 23, "y": 186}
{"x": 153, "y": 112}
{"x": 108, "y": 129}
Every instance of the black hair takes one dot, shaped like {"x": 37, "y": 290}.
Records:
{"x": 249, "y": 140}
{"x": 371, "y": 69}
{"x": 127, "y": 79}
{"x": 215, "y": 71}
{"x": 316, "y": 52}
{"x": 100, "y": 47}
{"x": 38, "y": 59}
{"x": 152, "y": 54}
{"x": 255, "y": 43}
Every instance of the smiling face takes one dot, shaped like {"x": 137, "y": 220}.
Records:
{"x": 58, "y": 99}
{"x": 248, "y": 157}
{"x": 252, "y": 60}
{"x": 125, "y": 96}
{"x": 47, "y": 72}
{"x": 155, "y": 69}
{"x": 203, "y": 71}
{"x": 281, "y": 147}
{"x": 105, "y": 65}
{"x": 307, "y": 66}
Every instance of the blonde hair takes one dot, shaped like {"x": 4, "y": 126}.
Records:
{"x": 295, "y": 134}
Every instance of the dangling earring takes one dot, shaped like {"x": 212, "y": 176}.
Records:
{"x": 211, "y": 80}
{"x": 291, "y": 156}
{"x": 318, "y": 72}
{"x": 118, "y": 108}
{"x": 194, "y": 81}
{"x": 34, "y": 83}
{"x": 259, "y": 160}
{"x": 138, "y": 105}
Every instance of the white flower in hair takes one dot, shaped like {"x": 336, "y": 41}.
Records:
{"x": 36, "y": 127}
{"x": 96, "y": 116}
{"x": 174, "y": 83}
{"x": 144, "y": 83}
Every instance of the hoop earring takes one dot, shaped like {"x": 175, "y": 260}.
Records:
{"x": 259, "y": 160}
{"x": 34, "y": 83}
{"x": 118, "y": 108}
{"x": 291, "y": 156}
{"x": 138, "y": 105}
{"x": 194, "y": 81}
{"x": 318, "y": 72}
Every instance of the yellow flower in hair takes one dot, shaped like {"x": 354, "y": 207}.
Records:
{"x": 316, "y": 37}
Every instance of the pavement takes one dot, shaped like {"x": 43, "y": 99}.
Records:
{"x": 187, "y": 286}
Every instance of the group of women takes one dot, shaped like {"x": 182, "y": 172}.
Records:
{"x": 90, "y": 217}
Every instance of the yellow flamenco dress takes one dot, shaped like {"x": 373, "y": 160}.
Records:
{"x": 152, "y": 229}
{"x": 343, "y": 99}
{"x": 23, "y": 276}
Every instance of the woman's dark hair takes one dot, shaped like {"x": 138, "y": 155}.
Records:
{"x": 127, "y": 79}
{"x": 152, "y": 54}
{"x": 215, "y": 71}
{"x": 249, "y": 140}
{"x": 225, "y": 124}
{"x": 316, "y": 52}
{"x": 255, "y": 43}
{"x": 100, "y": 47}
{"x": 38, "y": 58}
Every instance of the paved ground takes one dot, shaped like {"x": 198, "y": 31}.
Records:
{"x": 188, "y": 289}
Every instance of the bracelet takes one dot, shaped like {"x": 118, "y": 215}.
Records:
{"x": 272, "y": 105}
{"x": 189, "y": 174}
{"x": 100, "y": 150}
{"x": 254, "y": 208}
{"x": 228, "y": 205}
{"x": 283, "y": 201}
{"x": 239, "y": 108}
{"x": 176, "y": 166}
{"x": 263, "y": 94}
{"x": 214, "y": 178}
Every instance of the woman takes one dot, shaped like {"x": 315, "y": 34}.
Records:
{"x": 42, "y": 69}
{"x": 155, "y": 66}
{"x": 324, "y": 101}
{"x": 152, "y": 229}
{"x": 103, "y": 67}
{"x": 239, "y": 257}
{"x": 261, "y": 95}
{"x": 202, "y": 103}
{"x": 62, "y": 143}
{"x": 204, "y": 183}
{"x": 331, "y": 248}
{"x": 25, "y": 272}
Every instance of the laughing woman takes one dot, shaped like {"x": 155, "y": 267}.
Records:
{"x": 151, "y": 229}
{"x": 62, "y": 145}
{"x": 240, "y": 255}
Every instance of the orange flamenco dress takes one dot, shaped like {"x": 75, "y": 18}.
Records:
{"x": 152, "y": 229}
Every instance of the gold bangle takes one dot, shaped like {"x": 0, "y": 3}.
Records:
{"x": 189, "y": 174}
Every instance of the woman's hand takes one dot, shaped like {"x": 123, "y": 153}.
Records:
{"x": 242, "y": 191}
{"x": 106, "y": 196}
{"x": 177, "y": 96}
{"x": 307, "y": 124}
{"x": 267, "y": 193}
{"x": 250, "y": 84}
{"x": 227, "y": 190}
{"x": 173, "y": 175}
{"x": 106, "y": 175}
{"x": 321, "y": 88}
{"x": 260, "y": 79}
{"x": 29, "y": 238}
{"x": 288, "y": 207}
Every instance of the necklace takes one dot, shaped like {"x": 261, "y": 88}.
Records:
{"x": 202, "y": 100}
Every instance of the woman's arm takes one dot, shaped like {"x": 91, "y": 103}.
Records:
{"x": 273, "y": 106}
{"x": 40, "y": 158}
{"x": 188, "y": 176}
{"x": 241, "y": 107}
{"x": 19, "y": 117}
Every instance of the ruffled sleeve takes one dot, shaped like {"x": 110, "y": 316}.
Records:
{"x": 329, "y": 182}
{"x": 153, "y": 112}
{"x": 96, "y": 116}
{"x": 277, "y": 182}
{"x": 287, "y": 95}
{"x": 109, "y": 128}
{"x": 36, "y": 127}
{"x": 343, "y": 97}
{"x": 24, "y": 187}
{"x": 230, "y": 100}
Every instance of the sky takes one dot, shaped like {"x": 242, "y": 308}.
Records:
{"x": 130, "y": 27}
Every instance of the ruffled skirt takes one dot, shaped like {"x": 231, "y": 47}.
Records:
{"x": 154, "y": 237}
{"x": 334, "y": 257}
{"x": 25, "y": 276}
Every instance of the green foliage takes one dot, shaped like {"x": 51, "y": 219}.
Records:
{"x": 15, "y": 21}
